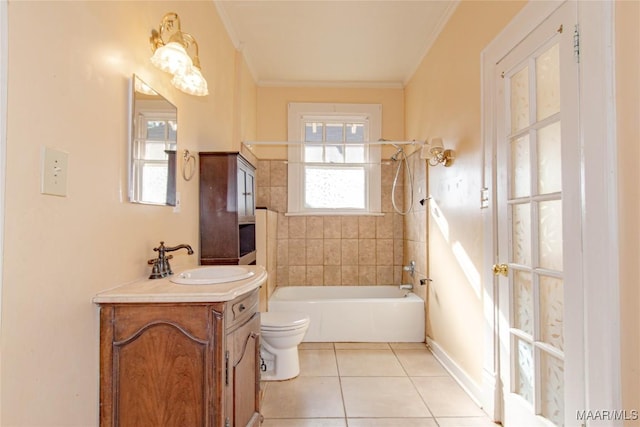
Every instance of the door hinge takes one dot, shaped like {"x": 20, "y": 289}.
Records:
{"x": 576, "y": 43}
{"x": 226, "y": 367}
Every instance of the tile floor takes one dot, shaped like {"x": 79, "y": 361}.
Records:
{"x": 369, "y": 385}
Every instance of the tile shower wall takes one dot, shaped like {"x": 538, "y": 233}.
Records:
{"x": 333, "y": 250}
{"x": 415, "y": 224}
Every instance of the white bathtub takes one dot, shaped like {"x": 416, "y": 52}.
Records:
{"x": 355, "y": 313}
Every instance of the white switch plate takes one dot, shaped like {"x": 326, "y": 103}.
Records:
{"x": 54, "y": 172}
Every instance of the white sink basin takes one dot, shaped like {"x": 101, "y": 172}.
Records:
{"x": 212, "y": 275}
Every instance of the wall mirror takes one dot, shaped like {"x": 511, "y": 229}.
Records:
{"x": 152, "y": 146}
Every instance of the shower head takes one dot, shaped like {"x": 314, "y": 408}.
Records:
{"x": 397, "y": 153}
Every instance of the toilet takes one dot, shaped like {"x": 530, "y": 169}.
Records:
{"x": 281, "y": 332}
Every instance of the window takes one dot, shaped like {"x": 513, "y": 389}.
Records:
{"x": 332, "y": 168}
{"x": 157, "y": 138}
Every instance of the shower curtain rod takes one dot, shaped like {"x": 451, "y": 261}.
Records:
{"x": 384, "y": 142}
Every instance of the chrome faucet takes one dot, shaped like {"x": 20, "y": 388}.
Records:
{"x": 411, "y": 268}
{"x": 161, "y": 267}
{"x": 407, "y": 286}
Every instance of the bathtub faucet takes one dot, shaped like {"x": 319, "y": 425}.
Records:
{"x": 407, "y": 286}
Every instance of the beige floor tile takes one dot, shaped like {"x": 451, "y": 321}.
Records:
{"x": 408, "y": 345}
{"x": 372, "y": 363}
{"x": 392, "y": 422}
{"x": 466, "y": 422}
{"x": 382, "y": 397}
{"x": 303, "y": 397}
{"x": 361, "y": 346}
{"x": 318, "y": 363}
{"x": 420, "y": 363}
{"x": 445, "y": 398}
{"x": 305, "y": 422}
{"x": 315, "y": 346}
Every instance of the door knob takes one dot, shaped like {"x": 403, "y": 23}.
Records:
{"x": 500, "y": 269}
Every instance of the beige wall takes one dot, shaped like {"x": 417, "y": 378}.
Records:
{"x": 69, "y": 69}
{"x": 628, "y": 133}
{"x": 443, "y": 99}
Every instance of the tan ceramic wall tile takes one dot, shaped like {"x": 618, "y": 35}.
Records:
{"x": 315, "y": 251}
{"x": 297, "y": 275}
{"x": 398, "y": 226}
{"x": 283, "y": 252}
{"x": 349, "y": 251}
{"x": 315, "y": 227}
{"x": 367, "y": 227}
{"x": 350, "y": 227}
{"x": 278, "y": 199}
{"x": 332, "y": 251}
{"x": 278, "y": 174}
{"x": 297, "y": 227}
{"x": 384, "y": 252}
{"x": 350, "y": 275}
{"x": 384, "y": 226}
{"x": 332, "y": 275}
{"x": 263, "y": 173}
{"x": 384, "y": 275}
{"x": 315, "y": 275}
{"x": 332, "y": 227}
{"x": 263, "y": 196}
{"x": 297, "y": 252}
{"x": 398, "y": 249}
{"x": 366, "y": 252}
{"x": 367, "y": 275}
{"x": 283, "y": 226}
{"x": 282, "y": 278}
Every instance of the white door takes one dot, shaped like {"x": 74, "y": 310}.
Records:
{"x": 538, "y": 183}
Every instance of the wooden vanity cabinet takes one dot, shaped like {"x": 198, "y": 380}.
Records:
{"x": 227, "y": 209}
{"x": 180, "y": 364}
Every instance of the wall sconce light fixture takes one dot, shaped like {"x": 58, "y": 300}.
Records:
{"x": 436, "y": 154}
{"x": 171, "y": 47}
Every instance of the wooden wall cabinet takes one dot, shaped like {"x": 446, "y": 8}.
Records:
{"x": 227, "y": 209}
{"x": 180, "y": 364}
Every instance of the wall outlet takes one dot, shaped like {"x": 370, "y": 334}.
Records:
{"x": 54, "y": 172}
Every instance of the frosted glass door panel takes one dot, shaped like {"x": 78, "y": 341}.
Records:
{"x": 524, "y": 370}
{"x": 523, "y": 302}
{"x": 520, "y": 100}
{"x": 521, "y": 167}
{"x": 521, "y": 241}
{"x": 551, "y": 311}
{"x": 549, "y": 159}
{"x": 548, "y": 83}
{"x": 550, "y": 234}
{"x": 552, "y": 378}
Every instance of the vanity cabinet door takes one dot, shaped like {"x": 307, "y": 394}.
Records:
{"x": 243, "y": 387}
{"x": 158, "y": 365}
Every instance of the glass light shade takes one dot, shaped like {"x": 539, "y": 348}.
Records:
{"x": 172, "y": 58}
{"x": 191, "y": 81}
{"x": 437, "y": 144}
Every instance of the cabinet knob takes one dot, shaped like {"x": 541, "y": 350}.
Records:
{"x": 241, "y": 307}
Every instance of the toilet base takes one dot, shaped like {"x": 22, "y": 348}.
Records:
{"x": 284, "y": 364}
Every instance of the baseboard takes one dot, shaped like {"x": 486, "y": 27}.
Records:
{"x": 462, "y": 378}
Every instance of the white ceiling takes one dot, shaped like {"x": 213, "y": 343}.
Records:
{"x": 331, "y": 42}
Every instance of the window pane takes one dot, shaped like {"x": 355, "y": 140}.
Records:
{"x": 549, "y": 170}
{"x": 355, "y": 154}
{"x": 325, "y": 189}
{"x": 313, "y": 153}
{"x": 173, "y": 130}
{"x": 155, "y": 179}
{"x": 335, "y": 132}
{"x": 313, "y": 132}
{"x": 334, "y": 153}
{"x": 155, "y": 151}
{"x": 355, "y": 132}
{"x": 156, "y": 130}
{"x": 521, "y": 165}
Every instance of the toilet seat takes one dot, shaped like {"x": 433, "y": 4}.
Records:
{"x": 283, "y": 320}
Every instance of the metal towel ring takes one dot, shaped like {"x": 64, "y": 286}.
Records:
{"x": 188, "y": 165}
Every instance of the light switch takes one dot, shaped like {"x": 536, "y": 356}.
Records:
{"x": 54, "y": 172}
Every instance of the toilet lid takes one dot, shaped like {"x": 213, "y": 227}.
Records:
{"x": 283, "y": 319}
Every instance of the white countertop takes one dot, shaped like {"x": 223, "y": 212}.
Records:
{"x": 163, "y": 290}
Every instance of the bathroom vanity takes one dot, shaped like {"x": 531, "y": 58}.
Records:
{"x": 180, "y": 355}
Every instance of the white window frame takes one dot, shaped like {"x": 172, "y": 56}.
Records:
{"x": 300, "y": 112}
